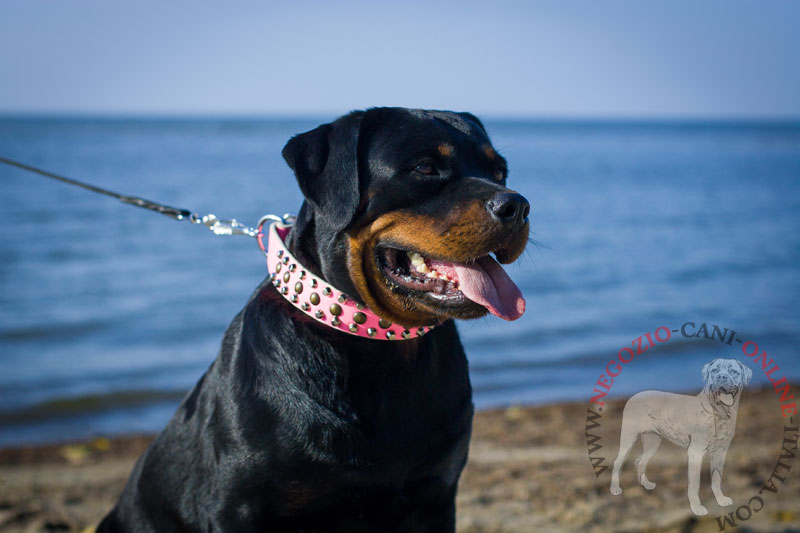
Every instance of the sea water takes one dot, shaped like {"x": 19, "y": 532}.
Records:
{"x": 109, "y": 314}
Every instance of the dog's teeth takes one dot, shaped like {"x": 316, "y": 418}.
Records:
{"x": 418, "y": 261}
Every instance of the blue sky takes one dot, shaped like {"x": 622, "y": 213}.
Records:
{"x": 575, "y": 58}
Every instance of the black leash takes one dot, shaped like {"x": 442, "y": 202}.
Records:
{"x": 218, "y": 226}
{"x": 172, "y": 212}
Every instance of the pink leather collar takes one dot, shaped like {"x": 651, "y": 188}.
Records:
{"x": 320, "y": 300}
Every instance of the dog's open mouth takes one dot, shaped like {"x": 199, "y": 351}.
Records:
{"x": 727, "y": 395}
{"x": 481, "y": 280}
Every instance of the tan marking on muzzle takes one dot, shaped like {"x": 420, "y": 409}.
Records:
{"x": 462, "y": 235}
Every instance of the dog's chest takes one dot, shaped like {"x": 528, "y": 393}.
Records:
{"x": 381, "y": 459}
{"x": 724, "y": 428}
{"x": 390, "y": 432}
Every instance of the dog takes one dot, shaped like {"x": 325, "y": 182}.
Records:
{"x": 307, "y": 422}
{"x": 702, "y": 424}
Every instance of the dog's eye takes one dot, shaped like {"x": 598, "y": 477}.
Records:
{"x": 425, "y": 168}
{"x": 499, "y": 174}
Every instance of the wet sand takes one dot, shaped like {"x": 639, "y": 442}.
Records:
{"x": 529, "y": 470}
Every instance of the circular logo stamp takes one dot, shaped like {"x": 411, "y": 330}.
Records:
{"x": 700, "y": 426}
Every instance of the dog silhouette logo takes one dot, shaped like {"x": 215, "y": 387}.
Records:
{"x": 703, "y": 424}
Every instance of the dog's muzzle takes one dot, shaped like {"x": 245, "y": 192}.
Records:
{"x": 725, "y": 390}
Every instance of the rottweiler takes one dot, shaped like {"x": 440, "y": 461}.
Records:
{"x": 300, "y": 426}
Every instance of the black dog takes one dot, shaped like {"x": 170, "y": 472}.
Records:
{"x": 299, "y": 427}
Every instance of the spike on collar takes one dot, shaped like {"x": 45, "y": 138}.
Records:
{"x": 322, "y": 301}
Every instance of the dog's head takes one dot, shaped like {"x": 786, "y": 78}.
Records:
{"x": 725, "y": 379}
{"x": 406, "y": 207}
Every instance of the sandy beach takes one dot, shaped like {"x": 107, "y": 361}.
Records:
{"x": 529, "y": 470}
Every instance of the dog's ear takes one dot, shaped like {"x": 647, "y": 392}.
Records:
{"x": 747, "y": 374}
{"x": 707, "y": 370}
{"x": 325, "y": 162}
{"x": 473, "y": 118}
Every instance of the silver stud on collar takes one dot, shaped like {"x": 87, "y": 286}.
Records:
{"x": 307, "y": 292}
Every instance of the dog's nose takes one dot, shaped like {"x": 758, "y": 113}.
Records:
{"x": 510, "y": 208}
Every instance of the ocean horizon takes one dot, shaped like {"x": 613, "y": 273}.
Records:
{"x": 110, "y": 314}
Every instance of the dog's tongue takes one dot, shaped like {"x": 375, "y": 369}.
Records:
{"x": 726, "y": 398}
{"x": 485, "y": 282}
